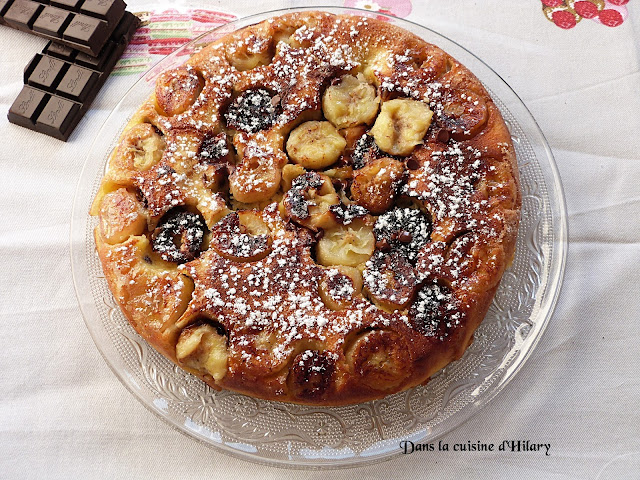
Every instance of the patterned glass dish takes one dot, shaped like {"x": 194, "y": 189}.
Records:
{"x": 297, "y": 436}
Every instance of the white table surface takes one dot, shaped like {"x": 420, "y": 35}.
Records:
{"x": 63, "y": 414}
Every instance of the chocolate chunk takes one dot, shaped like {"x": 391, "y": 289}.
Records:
{"x": 58, "y": 118}
{"x": 252, "y": 111}
{"x": 443, "y": 135}
{"x": 27, "y": 106}
{"x": 405, "y": 237}
{"x": 22, "y": 14}
{"x": 52, "y": 21}
{"x": 179, "y": 236}
{"x": 364, "y": 151}
{"x": 432, "y": 311}
{"x": 213, "y": 148}
{"x": 413, "y": 164}
{"x": 383, "y": 245}
{"x": 406, "y": 230}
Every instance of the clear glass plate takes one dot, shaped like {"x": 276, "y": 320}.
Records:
{"x": 297, "y": 436}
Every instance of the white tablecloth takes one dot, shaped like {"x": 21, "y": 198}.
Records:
{"x": 63, "y": 414}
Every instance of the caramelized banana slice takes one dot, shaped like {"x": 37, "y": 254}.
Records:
{"x": 315, "y": 145}
{"x": 349, "y": 245}
{"x": 289, "y": 173}
{"x": 464, "y": 115}
{"x": 309, "y": 199}
{"x": 255, "y": 180}
{"x": 350, "y": 102}
{"x": 311, "y": 374}
{"x": 401, "y": 125}
{"x": 390, "y": 280}
{"x": 177, "y": 89}
{"x": 241, "y": 236}
{"x": 141, "y": 148}
{"x": 203, "y": 347}
{"x": 252, "y": 48}
{"x": 121, "y": 216}
{"x": 156, "y": 294}
{"x": 374, "y": 186}
{"x": 339, "y": 286}
{"x": 380, "y": 358}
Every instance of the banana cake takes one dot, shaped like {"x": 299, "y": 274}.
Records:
{"x": 316, "y": 209}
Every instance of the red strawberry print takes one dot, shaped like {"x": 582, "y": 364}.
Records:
{"x": 564, "y": 19}
{"x": 610, "y": 17}
{"x": 586, "y": 9}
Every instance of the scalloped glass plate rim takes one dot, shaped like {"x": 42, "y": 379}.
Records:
{"x": 544, "y": 309}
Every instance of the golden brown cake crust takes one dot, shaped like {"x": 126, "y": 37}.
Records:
{"x": 315, "y": 209}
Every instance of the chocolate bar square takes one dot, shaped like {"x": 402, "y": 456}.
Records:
{"x": 47, "y": 72}
{"x": 110, "y": 11}
{"x": 4, "y": 6}
{"x": 27, "y": 106}
{"x": 77, "y": 83}
{"x": 52, "y": 21}
{"x": 61, "y": 51}
{"x": 22, "y": 14}
{"x": 96, "y": 63}
{"x": 73, "y": 5}
{"x": 59, "y": 117}
{"x": 85, "y": 29}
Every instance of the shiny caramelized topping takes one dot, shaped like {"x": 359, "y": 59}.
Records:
{"x": 179, "y": 236}
{"x": 252, "y": 111}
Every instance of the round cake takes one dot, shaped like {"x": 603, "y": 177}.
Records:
{"x": 314, "y": 209}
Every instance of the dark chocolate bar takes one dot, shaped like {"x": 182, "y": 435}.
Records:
{"x": 84, "y": 25}
{"x": 61, "y": 83}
